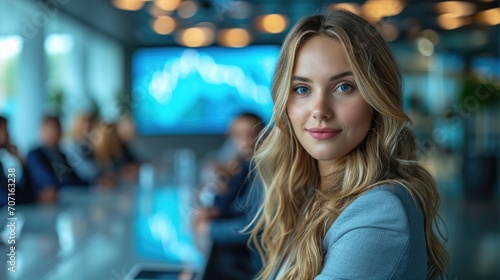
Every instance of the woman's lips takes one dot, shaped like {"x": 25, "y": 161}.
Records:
{"x": 322, "y": 133}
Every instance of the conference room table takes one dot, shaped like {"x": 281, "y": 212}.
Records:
{"x": 94, "y": 233}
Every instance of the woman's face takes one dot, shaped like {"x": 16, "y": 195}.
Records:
{"x": 51, "y": 133}
{"x": 327, "y": 112}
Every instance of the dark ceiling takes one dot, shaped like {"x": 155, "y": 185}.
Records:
{"x": 132, "y": 28}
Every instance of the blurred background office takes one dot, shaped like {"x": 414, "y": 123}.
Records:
{"x": 146, "y": 89}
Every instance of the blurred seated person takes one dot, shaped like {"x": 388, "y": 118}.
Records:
{"x": 48, "y": 166}
{"x": 125, "y": 128}
{"x": 113, "y": 157}
{"x": 229, "y": 178}
{"x": 11, "y": 160}
{"x": 229, "y": 213}
{"x": 79, "y": 148}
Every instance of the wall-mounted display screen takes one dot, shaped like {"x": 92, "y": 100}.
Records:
{"x": 180, "y": 90}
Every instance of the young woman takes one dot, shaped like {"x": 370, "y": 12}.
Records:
{"x": 344, "y": 197}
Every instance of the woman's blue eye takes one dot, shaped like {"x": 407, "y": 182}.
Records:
{"x": 344, "y": 88}
{"x": 301, "y": 90}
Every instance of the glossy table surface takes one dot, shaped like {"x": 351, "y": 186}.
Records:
{"x": 103, "y": 234}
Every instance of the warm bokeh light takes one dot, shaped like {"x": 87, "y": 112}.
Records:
{"x": 449, "y": 22}
{"x": 187, "y": 9}
{"x": 374, "y": 10}
{"x": 425, "y": 46}
{"x": 128, "y": 5}
{"x": 195, "y": 37}
{"x": 456, "y": 8}
{"x": 167, "y": 5}
{"x": 272, "y": 23}
{"x": 491, "y": 16}
{"x": 351, "y": 7}
{"x": 234, "y": 37}
{"x": 163, "y": 25}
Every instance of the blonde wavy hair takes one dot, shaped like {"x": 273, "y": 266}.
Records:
{"x": 107, "y": 146}
{"x": 387, "y": 155}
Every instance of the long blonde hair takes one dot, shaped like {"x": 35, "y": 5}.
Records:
{"x": 107, "y": 146}
{"x": 387, "y": 154}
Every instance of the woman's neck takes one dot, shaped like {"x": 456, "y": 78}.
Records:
{"x": 326, "y": 169}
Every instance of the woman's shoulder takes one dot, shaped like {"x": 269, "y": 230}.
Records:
{"x": 383, "y": 224}
{"x": 393, "y": 196}
{"x": 389, "y": 206}
{"x": 380, "y": 235}
{"x": 394, "y": 192}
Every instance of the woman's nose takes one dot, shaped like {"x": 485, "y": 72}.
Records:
{"x": 321, "y": 108}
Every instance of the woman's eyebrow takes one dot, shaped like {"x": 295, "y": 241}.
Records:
{"x": 333, "y": 78}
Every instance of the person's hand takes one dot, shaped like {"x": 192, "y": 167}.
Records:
{"x": 199, "y": 216}
{"x": 202, "y": 227}
{"x": 207, "y": 213}
{"x": 202, "y": 218}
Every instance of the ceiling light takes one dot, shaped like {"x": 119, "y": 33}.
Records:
{"x": 490, "y": 17}
{"x": 272, "y": 23}
{"x": 456, "y": 8}
{"x": 167, "y": 5}
{"x": 350, "y": 7}
{"x": 128, "y": 5}
{"x": 163, "y": 25}
{"x": 449, "y": 21}
{"x": 374, "y": 10}
{"x": 187, "y": 9}
{"x": 234, "y": 37}
{"x": 195, "y": 37}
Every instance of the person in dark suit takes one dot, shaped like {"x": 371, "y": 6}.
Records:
{"x": 19, "y": 177}
{"x": 48, "y": 165}
{"x": 230, "y": 257}
{"x": 229, "y": 178}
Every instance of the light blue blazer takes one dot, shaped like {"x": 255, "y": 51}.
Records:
{"x": 380, "y": 235}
